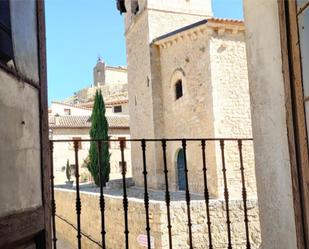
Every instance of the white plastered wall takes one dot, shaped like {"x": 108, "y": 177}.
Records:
{"x": 273, "y": 169}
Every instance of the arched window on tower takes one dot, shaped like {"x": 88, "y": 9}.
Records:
{"x": 178, "y": 89}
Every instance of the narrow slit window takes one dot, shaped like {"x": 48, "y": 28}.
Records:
{"x": 178, "y": 89}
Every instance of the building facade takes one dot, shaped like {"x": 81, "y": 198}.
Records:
{"x": 70, "y": 119}
{"x": 24, "y": 148}
{"x": 77, "y": 127}
{"x": 187, "y": 74}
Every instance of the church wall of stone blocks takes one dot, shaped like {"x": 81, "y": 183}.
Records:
{"x": 207, "y": 57}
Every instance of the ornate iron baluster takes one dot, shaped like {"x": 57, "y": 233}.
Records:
{"x": 206, "y": 193}
{"x": 167, "y": 195}
{"x": 226, "y": 195}
{"x": 125, "y": 197}
{"x": 78, "y": 202}
{"x": 53, "y": 202}
{"x": 244, "y": 193}
{"x": 184, "y": 146}
{"x": 102, "y": 201}
{"x": 146, "y": 196}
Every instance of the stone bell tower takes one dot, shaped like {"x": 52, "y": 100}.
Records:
{"x": 146, "y": 20}
{"x": 99, "y": 73}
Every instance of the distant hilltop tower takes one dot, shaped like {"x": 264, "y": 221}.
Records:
{"x": 99, "y": 73}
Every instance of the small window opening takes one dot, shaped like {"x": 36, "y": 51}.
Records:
{"x": 178, "y": 89}
{"x": 67, "y": 112}
{"x": 117, "y": 108}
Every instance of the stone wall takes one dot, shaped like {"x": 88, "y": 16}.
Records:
{"x": 210, "y": 60}
{"x": 215, "y": 104}
{"x": 231, "y": 104}
{"x": 271, "y": 119}
{"x": 145, "y": 92}
{"x": 90, "y": 222}
{"x": 20, "y": 152}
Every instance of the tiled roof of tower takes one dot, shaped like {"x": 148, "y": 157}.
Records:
{"x": 212, "y": 20}
{"x": 115, "y": 121}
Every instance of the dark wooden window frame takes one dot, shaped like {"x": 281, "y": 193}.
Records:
{"x": 296, "y": 122}
{"x": 6, "y": 50}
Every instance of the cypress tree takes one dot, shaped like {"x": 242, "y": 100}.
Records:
{"x": 99, "y": 130}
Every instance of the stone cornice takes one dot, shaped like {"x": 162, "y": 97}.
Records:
{"x": 212, "y": 26}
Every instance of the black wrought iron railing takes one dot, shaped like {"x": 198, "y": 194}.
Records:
{"x": 203, "y": 143}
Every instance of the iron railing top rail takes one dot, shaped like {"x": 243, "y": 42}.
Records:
{"x": 151, "y": 139}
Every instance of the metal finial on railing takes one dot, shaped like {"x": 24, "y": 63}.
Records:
{"x": 78, "y": 202}
{"x": 184, "y": 147}
{"x": 206, "y": 193}
{"x": 125, "y": 197}
{"x": 53, "y": 202}
{"x": 102, "y": 201}
{"x": 167, "y": 195}
{"x": 146, "y": 196}
{"x": 244, "y": 194}
{"x": 226, "y": 195}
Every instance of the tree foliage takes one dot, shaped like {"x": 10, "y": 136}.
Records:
{"x": 99, "y": 130}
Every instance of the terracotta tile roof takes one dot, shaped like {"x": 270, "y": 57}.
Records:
{"x": 115, "y": 121}
{"x": 225, "y": 20}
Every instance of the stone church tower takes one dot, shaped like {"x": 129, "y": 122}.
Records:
{"x": 144, "y": 22}
{"x": 99, "y": 73}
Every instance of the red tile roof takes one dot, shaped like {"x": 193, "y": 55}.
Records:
{"x": 116, "y": 121}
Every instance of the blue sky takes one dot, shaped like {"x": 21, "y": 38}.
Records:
{"x": 78, "y": 31}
